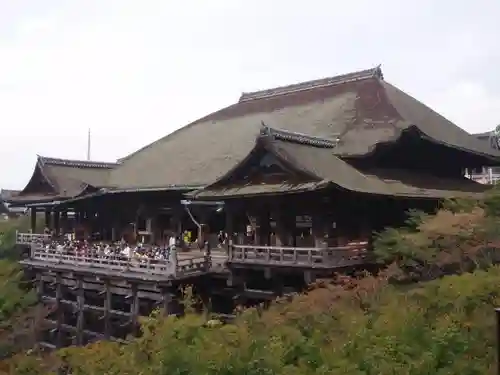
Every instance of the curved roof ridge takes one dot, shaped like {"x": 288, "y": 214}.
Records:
{"x": 76, "y": 163}
{"x": 317, "y": 83}
{"x": 295, "y": 137}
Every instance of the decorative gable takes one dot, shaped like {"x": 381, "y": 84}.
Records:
{"x": 38, "y": 184}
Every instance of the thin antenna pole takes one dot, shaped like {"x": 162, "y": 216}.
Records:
{"x": 88, "y": 146}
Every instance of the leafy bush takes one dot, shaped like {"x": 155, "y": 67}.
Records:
{"x": 8, "y": 230}
{"x": 451, "y": 241}
{"x": 363, "y": 326}
{"x": 16, "y": 298}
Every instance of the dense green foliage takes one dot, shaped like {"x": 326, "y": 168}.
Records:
{"x": 366, "y": 327}
{"x": 373, "y": 325}
{"x": 8, "y": 230}
{"x": 15, "y": 296}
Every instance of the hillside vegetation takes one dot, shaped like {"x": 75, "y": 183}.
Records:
{"x": 16, "y": 297}
{"x": 429, "y": 312}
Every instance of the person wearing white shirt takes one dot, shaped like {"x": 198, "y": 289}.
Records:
{"x": 172, "y": 241}
{"x": 126, "y": 252}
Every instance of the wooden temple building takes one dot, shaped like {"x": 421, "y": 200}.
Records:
{"x": 296, "y": 177}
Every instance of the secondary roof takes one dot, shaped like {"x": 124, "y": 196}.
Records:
{"x": 313, "y": 165}
{"x": 54, "y": 179}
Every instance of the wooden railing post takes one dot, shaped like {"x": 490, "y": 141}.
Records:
{"x": 325, "y": 256}
{"x": 208, "y": 256}
{"x": 59, "y": 311}
{"x": 174, "y": 261}
{"x": 107, "y": 310}
{"x": 39, "y": 310}
{"x": 230, "y": 250}
{"x": 134, "y": 310}
{"x": 81, "y": 308}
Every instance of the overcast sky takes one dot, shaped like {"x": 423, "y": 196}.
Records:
{"x": 134, "y": 71}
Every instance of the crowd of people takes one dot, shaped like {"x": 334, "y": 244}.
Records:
{"x": 68, "y": 245}
{"x": 118, "y": 250}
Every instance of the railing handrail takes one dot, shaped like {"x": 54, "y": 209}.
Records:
{"x": 29, "y": 234}
{"x": 29, "y": 238}
{"x": 293, "y": 248}
{"x": 167, "y": 267}
{"x": 352, "y": 254}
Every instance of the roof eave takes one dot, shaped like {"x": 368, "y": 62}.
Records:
{"x": 219, "y": 197}
{"x": 495, "y": 160}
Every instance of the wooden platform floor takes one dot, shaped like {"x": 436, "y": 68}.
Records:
{"x": 218, "y": 257}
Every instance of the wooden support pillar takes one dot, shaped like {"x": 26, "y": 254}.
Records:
{"x": 134, "y": 310}
{"x": 309, "y": 277}
{"x": 80, "y": 322}
{"x": 264, "y": 228}
{"x": 64, "y": 222}
{"x": 206, "y": 300}
{"x": 331, "y": 230}
{"x": 253, "y": 224}
{"x": 291, "y": 228}
{"x": 228, "y": 211}
{"x": 150, "y": 227}
{"x": 48, "y": 221}
{"x": 174, "y": 222}
{"x": 168, "y": 302}
{"x": 284, "y": 227}
{"x": 107, "y": 310}
{"x": 57, "y": 222}
{"x": 33, "y": 219}
{"x": 40, "y": 308}
{"x": 278, "y": 284}
{"x": 78, "y": 227}
{"x": 178, "y": 228}
{"x": 176, "y": 225}
{"x": 319, "y": 230}
{"x": 91, "y": 222}
{"x": 59, "y": 311}
{"x": 203, "y": 230}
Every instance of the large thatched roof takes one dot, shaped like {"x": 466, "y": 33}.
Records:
{"x": 314, "y": 158}
{"x": 62, "y": 179}
{"x": 360, "y": 109}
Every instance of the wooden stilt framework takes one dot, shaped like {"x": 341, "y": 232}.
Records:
{"x": 107, "y": 309}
